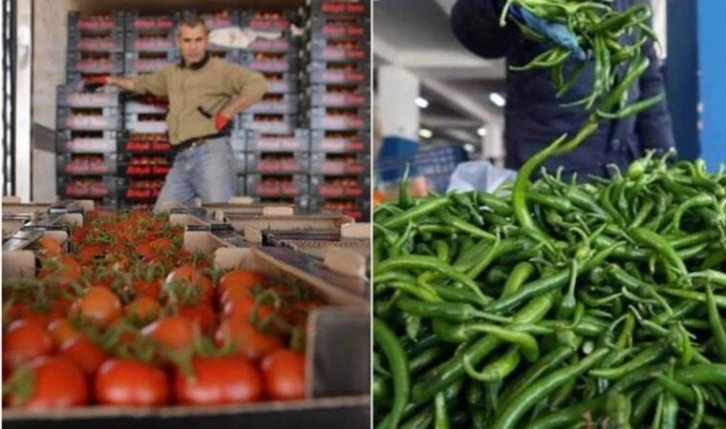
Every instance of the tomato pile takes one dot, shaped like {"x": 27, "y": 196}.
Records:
{"x": 130, "y": 318}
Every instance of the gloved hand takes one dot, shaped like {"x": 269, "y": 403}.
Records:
{"x": 558, "y": 33}
{"x": 94, "y": 82}
{"x": 221, "y": 121}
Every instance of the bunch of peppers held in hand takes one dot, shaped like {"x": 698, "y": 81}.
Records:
{"x": 555, "y": 304}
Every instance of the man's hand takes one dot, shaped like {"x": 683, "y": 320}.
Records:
{"x": 95, "y": 82}
{"x": 221, "y": 121}
{"x": 558, "y": 33}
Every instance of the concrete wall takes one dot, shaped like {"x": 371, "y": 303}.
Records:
{"x": 49, "y": 71}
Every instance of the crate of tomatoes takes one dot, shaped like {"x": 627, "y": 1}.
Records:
{"x": 149, "y": 323}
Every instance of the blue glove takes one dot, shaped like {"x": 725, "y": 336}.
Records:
{"x": 558, "y": 33}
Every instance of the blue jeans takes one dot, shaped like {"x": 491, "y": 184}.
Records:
{"x": 208, "y": 172}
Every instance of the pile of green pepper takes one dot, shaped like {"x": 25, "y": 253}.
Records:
{"x": 553, "y": 304}
{"x": 603, "y": 311}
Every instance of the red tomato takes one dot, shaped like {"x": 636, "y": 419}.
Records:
{"x": 202, "y": 315}
{"x": 61, "y": 330}
{"x": 239, "y": 280}
{"x": 175, "y": 332}
{"x": 283, "y": 372}
{"x": 87, "y": 355}
{"x": 64, "y": 269}
{"x": 143, "y": 308}
{"x": 23, "y": 341}
{"x": 58, "y": 384}
{"x": 221, "y": 380}
{"x": 187, "y": 273}
{"x": 151, "y": 289}
{"x": 132, "y": 383}
{"x": 100, "y": 305}
{"x": 250, "y": 343}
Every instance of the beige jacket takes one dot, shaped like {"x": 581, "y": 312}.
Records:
{"x": 197, "y": 94}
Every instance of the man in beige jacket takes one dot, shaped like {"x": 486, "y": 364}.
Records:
{"x": 204, "y": 94}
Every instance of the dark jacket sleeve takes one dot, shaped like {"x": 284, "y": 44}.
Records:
{"x": 654, "y": 126}
{"x": 476, "y": 24}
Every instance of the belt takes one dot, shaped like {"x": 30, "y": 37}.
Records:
{"x": 195, "y": 142}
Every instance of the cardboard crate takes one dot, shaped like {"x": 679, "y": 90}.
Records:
{"x": 355, "y": 237}
{"x": 339, "y": 50}
{"x": 269, "y": 62}
{"x": 156, "y": 41}
{"x": 85, "y": 145}
{"x": 338, "y": 118}
{"x": 336, "y": 392}
{"x": 322, "y": 27}
{"x": 337, "y": 7}
{"x": 356, "y": 208}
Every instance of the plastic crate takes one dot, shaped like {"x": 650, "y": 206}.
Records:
{"x": 340, "y": 187}
{"x": 76, "y": 118}
{"x": 141, "y": 189}
{"x": 140, "y": 21}
{"x": 275, "y": 163}
{"x": 145, "y": 143}
{"x": 86, "y": 164}
{"x": 333, "y": 118}
{"x": 333, "y": 7}
{"x": 74, "y": 96}
{"x": 438, "y": 163}
{"x": 340, "y": 141}
{"x": 269, "y": 62}
{"x": 276, "y": 103}
{"x": 145, "y": 123}
{"x": 340, "y": 164}
{"x": 87, "y": 187}
{"x": 96, "y": 23}
{"x": 109, "y": 41}
{"x": 145, "y": 165}
{"x": 221, "y": 19}
{"x": 268, "y": 123}
{"x": 298, "y": 141}
{"x": 339, "y": 95}
{"x": 95, "y": 62}
{"x": 281, "y": 83}
{"x": 161, "y": 41}
{"x": 332, "y": 72}
{"x": 141, "y": 107}
{"x": 357, "y": 208}
{"x": 284, "y": 44}
{"x": 238, "y": 141}
{"x": 339, "y": 50}
{"x": 262, "y": 20}
{"x": 275, "y": 186}
{"x": 323, "y": 27}
{"x": 85, "y": 145}
{"x": 148, "y": 62}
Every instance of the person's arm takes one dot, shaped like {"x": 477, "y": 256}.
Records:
{"x": 654, "y": 126}
{"x": 154, "y": 83}
{"x": 122, "y": 82}
{"x": 247, "y": 85}
{"x": 476, "y": 24}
